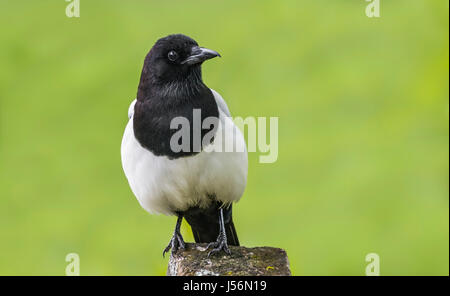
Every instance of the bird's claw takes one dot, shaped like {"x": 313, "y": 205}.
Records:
{"x": 176, "y": 243}
{"x": 219, "y": 245}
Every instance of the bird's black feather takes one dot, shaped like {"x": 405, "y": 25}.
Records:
{"x": 205, "y": 223}
{"x": 170, "y": 89}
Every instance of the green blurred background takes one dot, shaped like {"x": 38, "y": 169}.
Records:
{"x": 363, "y": 131}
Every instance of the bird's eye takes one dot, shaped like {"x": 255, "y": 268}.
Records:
{"x": 172, "y": 55}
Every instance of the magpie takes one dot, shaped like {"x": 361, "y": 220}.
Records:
{"x": 200, "y": 183}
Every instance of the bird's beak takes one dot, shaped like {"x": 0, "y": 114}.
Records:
{"x": 199, "y": 55}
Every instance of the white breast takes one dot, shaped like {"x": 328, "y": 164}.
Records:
{"x": 163, "y": 185}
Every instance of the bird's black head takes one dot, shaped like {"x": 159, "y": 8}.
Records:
{"x": 175, "y": 59}
{"x": 171, "y": 86}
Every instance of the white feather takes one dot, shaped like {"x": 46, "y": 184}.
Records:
{"x": 131, "y": 109}
{"x": 221, "y": 103}
{"x": 163, "y": 185}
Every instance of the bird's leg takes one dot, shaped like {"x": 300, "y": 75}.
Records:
{"x": 176, "y": 242}
{"x": 221, "y": 242}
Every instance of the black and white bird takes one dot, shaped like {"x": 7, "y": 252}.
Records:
{"x": 200, "y": 184}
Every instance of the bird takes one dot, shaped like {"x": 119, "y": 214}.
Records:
{"x": 201, "y": 182}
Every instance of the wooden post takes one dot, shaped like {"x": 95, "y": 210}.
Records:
{"x": 242, "y": 261}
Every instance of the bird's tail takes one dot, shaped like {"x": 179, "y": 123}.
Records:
{"x": 205, "y": 235}
{"x": 205, "y": 224}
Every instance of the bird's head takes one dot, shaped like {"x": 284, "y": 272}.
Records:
{"x": 175, "y": 58}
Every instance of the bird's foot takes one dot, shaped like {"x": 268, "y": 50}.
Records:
{"x": 219, "y": 245}
{"x": 176, "y": 243}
